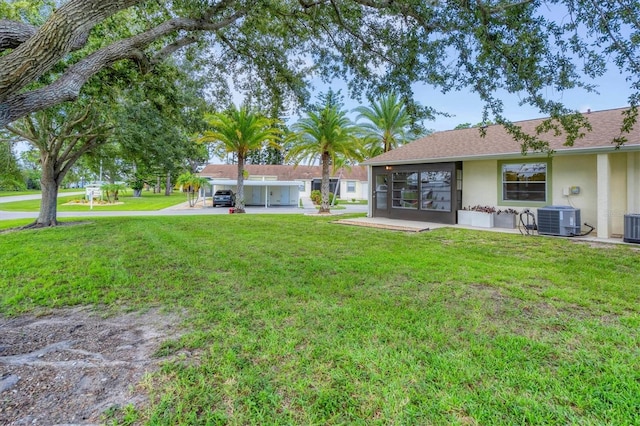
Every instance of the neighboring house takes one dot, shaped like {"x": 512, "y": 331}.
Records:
{"x": 433, "y": 177}
{"x": 285, "y": 185}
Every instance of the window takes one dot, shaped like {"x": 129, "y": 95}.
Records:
{"x": 524, "y": 182}
{"x": 302, "y": 187}
{"x": 405, "y": 190}
{"x": 435, "y": 191}
{"x": 351, "y": 186}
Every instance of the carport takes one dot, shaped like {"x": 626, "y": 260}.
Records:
{"x": 265, "y": 193}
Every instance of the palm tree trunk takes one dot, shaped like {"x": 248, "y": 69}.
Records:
{"x": 240, "y": 188}
{"x": 324, "y": 186}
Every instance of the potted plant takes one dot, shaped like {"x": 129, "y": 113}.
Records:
{"x": 506, "y": 218}
{"x": 480, "y": 216}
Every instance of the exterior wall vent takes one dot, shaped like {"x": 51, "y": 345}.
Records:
{"x": 632, "y": 228}
{"x": 563, "y": 221}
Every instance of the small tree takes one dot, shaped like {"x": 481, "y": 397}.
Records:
{"x": 10, "y": 174}
{"x": 112, "y": 190}
{"x": 191, "y": 184}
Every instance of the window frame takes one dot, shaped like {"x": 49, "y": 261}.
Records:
{"x": 353, "y": 189}
{"x": 519, "y": 203}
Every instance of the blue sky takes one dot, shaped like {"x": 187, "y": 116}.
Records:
{"x": 466, "y": 107}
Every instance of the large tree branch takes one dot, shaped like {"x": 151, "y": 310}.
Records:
{"x": 70, "y": 126}
{"x": 67, "y": 87}
{"x": 64, "y": 30}
{"x": 88, "y": 146}
{"x": 18, "y": 132}
{"x": 90, "y": 138}
{"x": 172, "y": 48}
{"x": 13, "y": 34}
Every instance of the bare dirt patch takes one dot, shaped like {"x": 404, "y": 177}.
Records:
{"x": 70, "y": 366}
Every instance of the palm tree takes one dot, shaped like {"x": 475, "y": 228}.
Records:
{"x": 240, "y": 131}
{"x": 389, "y": 124}
{"x": 191, "y": 184}
{"x": 327, "y": 134}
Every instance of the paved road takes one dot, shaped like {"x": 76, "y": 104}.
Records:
{"x": 179, "y": 210}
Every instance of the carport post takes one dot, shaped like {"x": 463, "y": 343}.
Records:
{"x": 266, "y": 196}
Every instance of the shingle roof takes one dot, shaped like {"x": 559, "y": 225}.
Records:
{"x": 455, "y": 145}
{"x": 281, "y": 172}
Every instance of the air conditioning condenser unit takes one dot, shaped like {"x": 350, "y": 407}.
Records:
{"x": 631, "y": 228}
{"x": 563, "y": 221}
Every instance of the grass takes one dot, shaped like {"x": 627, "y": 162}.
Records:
{"x": 147, "y": 202}
{"x": 14, "y": 223}
{"x": 295, "y": 320}
{"x": 349, "y": 201}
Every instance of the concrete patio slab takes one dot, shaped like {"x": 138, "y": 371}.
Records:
{"x": 391, "y": 224}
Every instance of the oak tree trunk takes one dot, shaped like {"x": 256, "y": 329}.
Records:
{"x": 50, "y": 182}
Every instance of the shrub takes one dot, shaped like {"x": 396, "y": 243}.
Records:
{"x": 316, "y": 196}
{"x": 484, "y": 209}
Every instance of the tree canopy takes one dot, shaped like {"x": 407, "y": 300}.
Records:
{"x": 240, "y": 131}
{"x": 270, "y": 48}
{"x": 387, "y": 124}
{"x": 325, "y": 134}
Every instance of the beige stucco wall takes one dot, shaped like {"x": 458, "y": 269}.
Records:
{"x": 633, "y": 182}
{"x": 618, "y": 193}
{"x": 481, "y": 186}
{"x": 479, "y": 183}
{"x": 360, "y": 193}
{"x": 574, "y": 170}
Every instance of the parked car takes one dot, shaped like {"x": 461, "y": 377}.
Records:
{"x": 224, "y": 197}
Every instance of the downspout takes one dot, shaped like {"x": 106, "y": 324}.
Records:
{"x": 370, "y": 194}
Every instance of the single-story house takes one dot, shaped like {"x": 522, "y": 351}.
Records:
{"x": 285, "y": 185}
{"x": 432, "y": 178}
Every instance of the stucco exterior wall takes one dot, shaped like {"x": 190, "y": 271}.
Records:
{"x": 571, "y": 171}
{"x": 633, "y": 182}
{"x": 361, "y": 190}
{"x": 479, "y": 183}
{"x": 618, "y": 193}
{"x": 481, "y": 186}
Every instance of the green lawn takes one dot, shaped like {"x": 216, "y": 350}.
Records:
{"x": 147, "y": 202}
{"x": 296, "y": 320}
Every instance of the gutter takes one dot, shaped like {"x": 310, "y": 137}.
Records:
{"x": 508, "y": 155}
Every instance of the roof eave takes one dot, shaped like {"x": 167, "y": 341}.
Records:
{"x": 508, "y": 155}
